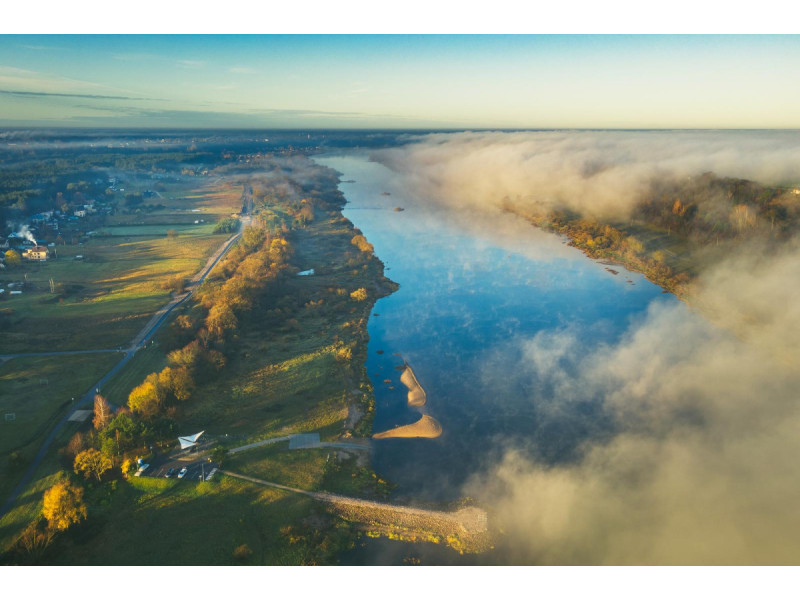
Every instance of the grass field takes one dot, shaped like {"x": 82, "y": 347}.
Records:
{"x": 170, "y": 522}
{"x": 38, "y": 390}
{"x": 303, "y": 469}
{"x": 145, "y": 361}
{"x": 29, "y": 504}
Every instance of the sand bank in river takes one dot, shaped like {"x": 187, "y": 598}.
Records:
{"x": 416, "y": 395}
{"x": 426, "y": 427}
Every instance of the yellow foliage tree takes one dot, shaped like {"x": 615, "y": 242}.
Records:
{"x": 91, "y": 462}
{"x": 362, "y": 244}
{"x": 178, "y": 381}
{"x": 63, "y": 505}
{"x": 145, "y": 399}
{"x": 359, "y": 295}
{"x": 128, "y": 467}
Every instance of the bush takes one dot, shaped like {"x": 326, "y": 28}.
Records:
{"x": 229, "y": 225}
{"x": 175, "y": 284}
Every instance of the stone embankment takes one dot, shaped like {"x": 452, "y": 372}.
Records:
{"x": 465, "y": 530}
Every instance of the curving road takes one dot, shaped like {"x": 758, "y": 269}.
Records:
{"x": 138, "y": 342}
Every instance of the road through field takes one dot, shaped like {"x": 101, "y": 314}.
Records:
{"x": 138, "y": 342}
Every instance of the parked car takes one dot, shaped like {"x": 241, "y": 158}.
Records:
{"x": 182, "y": 474}
{"x": 171, "y": 472}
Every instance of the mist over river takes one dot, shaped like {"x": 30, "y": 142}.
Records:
{"x": 472, "y": 293}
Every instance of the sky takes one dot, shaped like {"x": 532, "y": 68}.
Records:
{"x": 429, "y": 82}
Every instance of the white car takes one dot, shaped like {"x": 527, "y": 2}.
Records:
{"x": 182, "y": 474}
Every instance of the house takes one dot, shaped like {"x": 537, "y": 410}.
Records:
{"x": 80, "y": 213}
{"x": 36, "y": 253}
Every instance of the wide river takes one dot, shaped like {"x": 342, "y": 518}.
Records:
{"x": 479, "y": 292}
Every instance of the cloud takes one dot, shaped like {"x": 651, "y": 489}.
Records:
{"x": 65, "y": 95}
{"x": 597, "y": 173}
{"x": 701, "y": 470}
{"x": 699, "y": 464}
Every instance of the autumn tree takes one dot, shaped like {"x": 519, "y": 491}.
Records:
{"x": 92, "y": 463}
{"x": 360, "y": 242}
{"x": 35, "y": 538}
{"x": 359, "y": 295}
{"x": 220, "y": 318}
{"x": 253, "y": 237}
{"x": 76, "y": 444}
{"x": 102, "y": 412}
{"x": 146, "y": 398}
{"x": 13, "y": 259}
{"x": 63, "y": 505}
{"x": 177, "y": 381}
{"x": 128, "y": 467}
{"x": 188, "y": 356}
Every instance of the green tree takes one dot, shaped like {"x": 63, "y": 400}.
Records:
{"x": 109, "y": 448}
{"x": 219, "y": 454}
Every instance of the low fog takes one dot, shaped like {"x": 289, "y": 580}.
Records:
{"x": 601, "y": 174}
{"x": 702, "y": 467}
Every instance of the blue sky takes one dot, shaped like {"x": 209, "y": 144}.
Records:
{"x": 401, "y": 81}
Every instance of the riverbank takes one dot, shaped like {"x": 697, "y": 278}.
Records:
{"x": 602, "y": 241}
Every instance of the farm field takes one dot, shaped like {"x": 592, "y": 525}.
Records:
{"x": 105, "y": 289}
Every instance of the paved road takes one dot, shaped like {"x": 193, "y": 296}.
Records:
{"x": 139, "y": 341}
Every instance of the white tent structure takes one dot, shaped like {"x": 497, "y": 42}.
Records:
{"x": 189, "y": 441}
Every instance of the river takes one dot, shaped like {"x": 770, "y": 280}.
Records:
{"x": 479, "y": 297}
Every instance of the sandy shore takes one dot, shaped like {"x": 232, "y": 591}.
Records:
{"x": 426, "y": 427}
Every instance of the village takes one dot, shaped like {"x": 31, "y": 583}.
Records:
{"x": 37, "y": 239}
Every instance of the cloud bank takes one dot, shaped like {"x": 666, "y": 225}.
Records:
{"x": 597, "y": 173}
{"x": 702, "y": 467}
